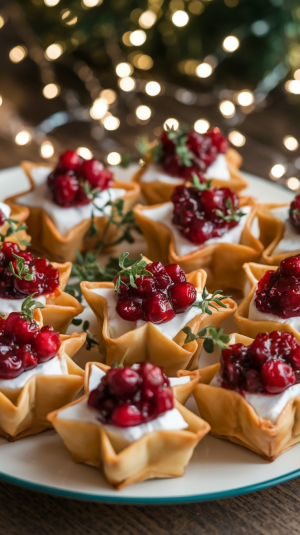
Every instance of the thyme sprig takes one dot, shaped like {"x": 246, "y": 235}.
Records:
{"x": 121, "y": 364}
{"x": 235, "y": 215}
{"x": 13, "y": 229}
{"x": 131, "y": 270}
{"x": 201, "y": 187}
{"x": 211, "y": 337}
{"x": 210, "y": 301}
{"x": 90, "y": 338}
{"x": 29, "y": 305}
{"x": 23, "y": 270}
{"x": 179, "y": 139}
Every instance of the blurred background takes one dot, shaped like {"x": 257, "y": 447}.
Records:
{"x": 97, "y": 74}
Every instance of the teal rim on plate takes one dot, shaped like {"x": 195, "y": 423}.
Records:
{"x": 124, "y": 500}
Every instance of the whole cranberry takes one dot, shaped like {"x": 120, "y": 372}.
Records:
{"x": 69, "y": 161}
{"x": 175, "y": 273}
{"x": 253, "y": 381}
{"x": 25, "y": 331}
{"x": 27, "y": 357}
{"x": 259, "y": 350}
{"x": 164, "y": 400}
{"x": 98, "y": 395}
{"x": 46, "y": 344}
{"x": 123, "y": 383}
{"x": 65, "y": 190}
{"x": 158, "y": 308}
{"x": 153, "y": 378}
{"x": 277, "y": 376}
{"x": 126, "y": 415}
{"x": 182, "y": 295}
{"x": 218, "y": 140}
{"x": 168, "y": 144}
{"x": 91, "y": 171}
{"x": 156, "y": 268}
{"x": 200, "y": 231}
{"x": 291, "y": 266}
{"x": 52, "y": 178}
{"x": 2, "y": 218}
{"x": 10, "y": 366}
{"x": 7, "y": 249}
{"x": 11, "y": 323}
{"x": 129, "y": 309}
{"x": 294, "y": 213}
{"x": 28, "y": 257}
{"x": 145, "y": 285}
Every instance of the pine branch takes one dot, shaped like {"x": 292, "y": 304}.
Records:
{"x": 211, "y": 337}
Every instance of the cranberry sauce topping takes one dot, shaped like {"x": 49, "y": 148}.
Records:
{"x": 201, "y": 214}
{"x": 184, "y": 154}
{"x": 74, "y": 180}
{"x": 156, "y": 296}
{"x": 269, "y": 365}
{"x": 2, "y": 218}
{"x": 23, "y": 345}
{"x": 278, "y": 291}
{"x": 21, "y": 274}
{"x": 126, "y": 397}
{"x": 294, "y": 213}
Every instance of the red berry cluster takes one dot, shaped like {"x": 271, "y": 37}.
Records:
{"x": 204, "y": 149}
{"x": 126, "y": 397}
{"x": 157, "y": 298}
{"x": 294, "y": 213}
{"x": 66, "y": 181}
{"x": 195, "y": 212}
{"x": 45, "y": 278}
{"x": 278, "y": 291}
{"x": 269, "y": 365}
{"x": 23, "y": 345}
{"x": 2, "y": 218}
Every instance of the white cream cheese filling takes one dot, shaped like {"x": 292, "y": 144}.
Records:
{"x": 97, "y": 374}
{"x": 164, "y": 214}
{"x": 217, "y": 170}
{"x": 256, "y": 315}
{"x": 267, "y": 406}
{"x": 291, "y": 239}
{"x": 15, "y": 305}
{"x": 5, "y": 209}
{"x": 65, "y": 218}
{"x": 118, "y": 326}
{"x": 55, "y": 366}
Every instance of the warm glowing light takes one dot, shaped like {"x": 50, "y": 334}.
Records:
{"x": 153, "y": 89}
{"x": 204, "y": 70}
{"x": 142, "y": 61}
{"x": 51, "y": 90}
{"x": 227, "y": 108}
{"x": 111, "y": 123}
{"x": 53, "y": 51}
{"x": 171, "y": 123}
{"x": 109, "y": 95}
{"x": 180, "y": 18}
{"x": 297, "y": 74}
{"x": 230, "y": 43}
{"x": 236, "y": 138}
{"x": 72, "y": 21}
{"x": 1, "y": 100}
{"x": 293, "y": 86}
{"x": 277, "y": 171}
{"x": 17, "y": 54}
{"x": 293, "y": 183}
{"x": 147, "y": 19}
{"x": 47, "y": 149}
{"x": 91, "y": 3}
{"x": 99, "y": 108}
{"x": 201, "y": 126}
{"x": 143, "y": 112}
{"x": 114, "y": 158}
{"x": 245, "y": 98}
{"x": 124, "y": 69}
{"x": 127, "y": 84}
{"x": 85, "y": 153}
{"x": 23, "y": 137}
{"x": 290, "y": 143}
{"x": 2, "y": 21}
{"x": 138, "y": 37}
{"x": 51, "y": 3}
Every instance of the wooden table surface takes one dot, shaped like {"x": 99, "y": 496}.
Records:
{"x": 275, "y": 510}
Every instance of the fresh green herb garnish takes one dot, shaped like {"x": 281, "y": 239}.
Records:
{"x": 28, "y": 307}
{"x": 23, "y": 271}
{"x": 90, "y": 338}
{"x": 211, "y": 337}
{"x": 131, "y": 270}
{"x": 13, "y": 228}
{"x": 208, "y": 301}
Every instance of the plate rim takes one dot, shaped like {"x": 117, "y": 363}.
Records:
{"x": 127, "y": 500}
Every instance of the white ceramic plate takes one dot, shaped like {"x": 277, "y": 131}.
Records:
{"x": 218, "y": 468}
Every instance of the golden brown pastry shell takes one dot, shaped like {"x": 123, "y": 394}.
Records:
{"x": 250, "y": 327}
{"x": 223, "y": 262}
{"x": 19, "y": 214}
{"x": 159, "y": 454}
{"x": 46, "y": 238}
{"x": 157, "y": 192}
{"x": 181, "y": 392}
{"x": 271, "y": 233}
{"x": 231, "y": 417}
{"x": 24, "y": 411}
{"x": 147, "y": 343}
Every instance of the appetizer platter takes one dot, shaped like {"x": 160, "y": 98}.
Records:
{"x": 149, "y": 326}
